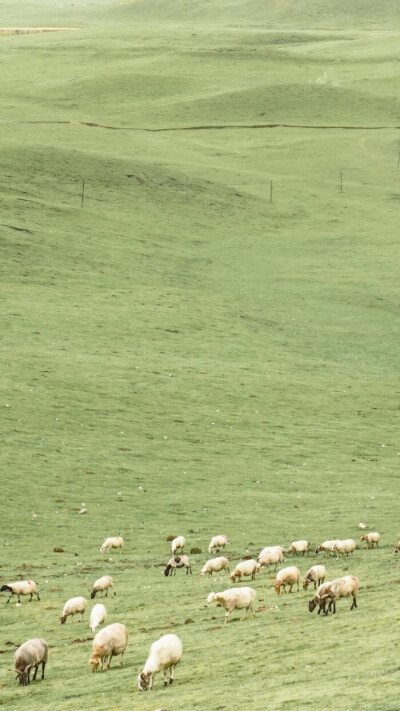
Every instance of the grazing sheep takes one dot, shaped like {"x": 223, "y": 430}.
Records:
{"x": 30, "y": 654}
{"x": 116, "y": 542}
{"x": 217, "y": 542}
{"x": 347, "y": 586}
{"x": 102, "y": 584}
{"x": 164, "y": 654}
{"x": 21, "y": 587}
{"x": 397, "y": 548}
{"x": 234, "y": 599}
{"x": 178, "y": 542}
{"x": 344, "y": 547}
{"x": 286, "y": 576}
{"x": 298, "y": 547}
{"x": 372, "y": 539}
{"x": 98, "y": 615}
{"x": 246, "y": 567}
{"x": 271, "y": 555}
{"x": 316, "y": 574}
{"x": 109, "y": 642}
{"x": 214, "y": 565}
{"x": 178, "y": 561}
{"x": 327, "y": 547}
{"x": 74, "y": 606}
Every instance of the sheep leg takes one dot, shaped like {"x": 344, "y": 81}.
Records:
{"x": 35, "y": 672}
{"x": 43, "y": 666}
{"x": 354, "y": 603}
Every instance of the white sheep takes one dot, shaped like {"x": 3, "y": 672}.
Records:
{"x": 98, "y": 615}
{"x": 178, "y": 561}
{"x": 344, "y": 548}
{"x": 102, "y": 584}
{"x": 234, "y": 599}
{"x": 245, "y": 567}
{"x": 287, "y": 576}
{"x": 178, "y": 542}
{"x": 372, "y": 539}
{"x": 347, "y": 586}
{"x": 30, "y": 654}
{"x": 21, "y": 587}
{"x": 74, "y": 606}
{"x": 113, "y": 542}
{"x": 109, "y": 642}
{"x": 164, "y": 655}
{"x": 298, "y": 547}
{"x": 217, "y": 542}
{"x": 316, "y": 574}
{"x": 327, "y": 547}
{"x": 271, "y": 555}
{"x": 214, "y": 565}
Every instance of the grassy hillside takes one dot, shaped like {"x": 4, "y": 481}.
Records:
{"x": 203, "y": 340}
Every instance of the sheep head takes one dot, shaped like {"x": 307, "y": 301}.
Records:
{"x": 313, "y": 604}
{"x": 143, "y": 681}
{"x": 24, "y": 675}
{"x": 94, "y": 662}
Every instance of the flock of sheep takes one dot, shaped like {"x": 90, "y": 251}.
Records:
{"x": 166, "y": 652}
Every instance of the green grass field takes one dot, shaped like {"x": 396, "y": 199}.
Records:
{"x": 205, "y": 340}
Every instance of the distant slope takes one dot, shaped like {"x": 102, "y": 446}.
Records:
{"x": 300, "y": 14}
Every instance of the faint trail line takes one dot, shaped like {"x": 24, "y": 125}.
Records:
{"x": 208, "y": 127}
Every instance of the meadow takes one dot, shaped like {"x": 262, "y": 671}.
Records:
{"x": 199, "y": 208}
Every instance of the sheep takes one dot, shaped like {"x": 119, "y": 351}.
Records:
{"x": 30, "y": 654}
{"x": 164, "y": 655}
{"x": 74, "y": 606}
{"x": 397, "y": 548}
{"x": 298, "y": 547}
{"x": 217, "y": 542}
{"x": 286, "y": 576}
{"x": 109, "y": 642}
{"x": 21, "y": 587}
{"x": 327, "y": 547}
{"x": 214, "y": 565}
{"x": 347, "y": 586}
{"x": 98, "y": 615}
{"x": 116, "y": 542}
{"x": 178, "y": 561}
{"x": 316, "y": 574}
{"x": 372, "y": 539}
{"x": 178, "y": 542}
{"x": 271, "y": 555}
{"x": 102, "y": 584}
{"x": 234, "y": 599}
{"x": 245, "y": 567}
{"x": 344, "y": 547}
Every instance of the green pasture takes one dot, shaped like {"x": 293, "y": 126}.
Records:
{"x": 200, "y": 334}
